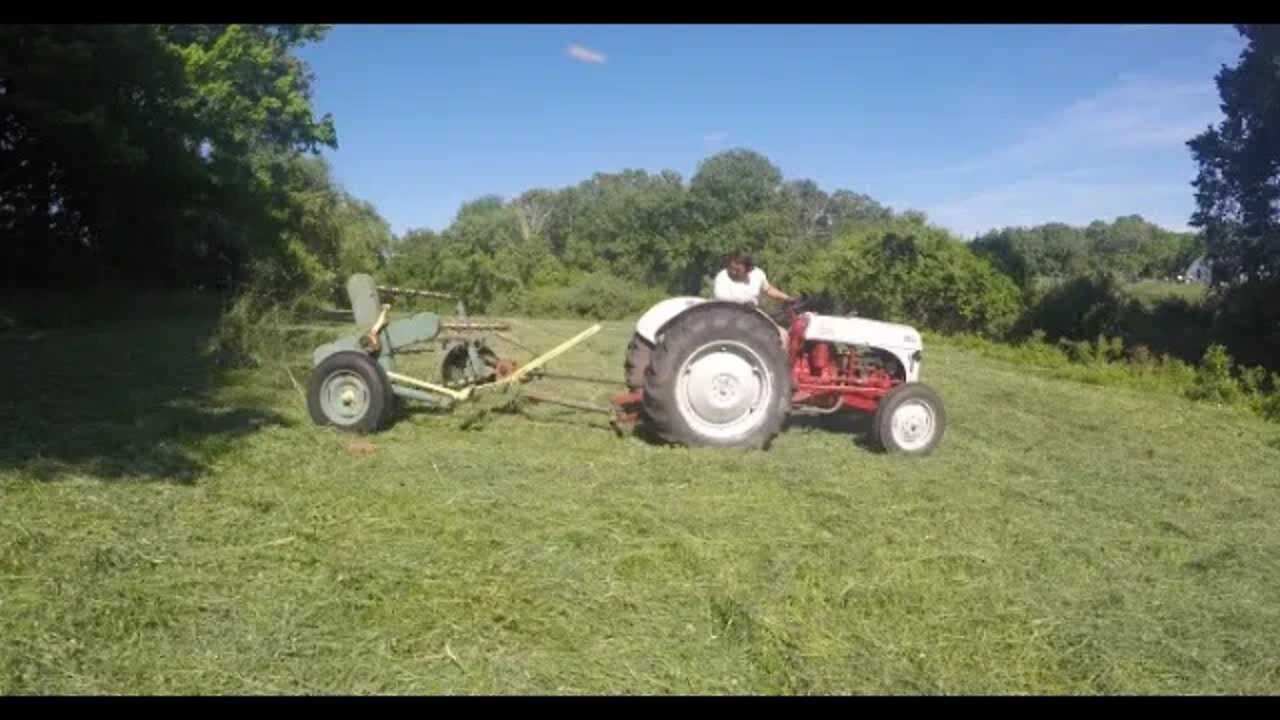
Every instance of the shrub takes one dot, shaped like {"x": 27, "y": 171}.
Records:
{"x": 1269, "y": 408}
{"x": 1213, "y": 381}
{"x": 904, "y": 270}
{"x": 598, "y": 296}
{"x": 1172, "y": 325}
{"x": 1083, "y": 307}
{"x": 1247, "y": 319}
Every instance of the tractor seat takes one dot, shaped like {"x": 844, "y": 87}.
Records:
{"x": 366, "y": 305}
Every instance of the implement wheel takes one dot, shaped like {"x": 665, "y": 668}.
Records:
{"x": 455, "y": 371}
{"x": 349, "y": 391}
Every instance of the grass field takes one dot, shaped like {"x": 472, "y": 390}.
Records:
{"x": 1147, "y": 292}
{"x": 168, "y": 529}
{"x": 1150, "y": 292}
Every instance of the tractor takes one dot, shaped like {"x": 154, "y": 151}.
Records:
{"x": 701, "y": 372}
{"x": 725, "y": 374}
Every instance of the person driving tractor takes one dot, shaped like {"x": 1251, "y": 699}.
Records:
{"x": 742, "y": 281}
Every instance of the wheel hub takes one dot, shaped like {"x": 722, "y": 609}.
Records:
{"x": 344, "y": 398}
{"x": 721, "y": 387}
{"x": 912, "y": 425}
{"x": 724, "y": 389}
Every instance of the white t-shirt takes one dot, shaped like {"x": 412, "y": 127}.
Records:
{"x": 746, "y": 291}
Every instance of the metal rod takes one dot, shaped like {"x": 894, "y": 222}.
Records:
{"x": 567, "y": 403}
{"x": 545, "y": 358}
{"x": 410, "y": 291}
{"x": 406, "y": 380}
{"x": 579, "y": 378}
{"x": 415, "y": 395}
{"x": 475, "y": 326}
{"x": 513, "y": 341}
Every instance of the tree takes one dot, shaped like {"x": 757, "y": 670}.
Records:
{"x": 1238, "y": 182}
{"x": 731, "y": 184}
{"x": 152, "y": 155}
{"x": 1238, "y": 198}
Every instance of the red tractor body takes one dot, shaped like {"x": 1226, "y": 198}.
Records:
{"x": 825, "y": 377}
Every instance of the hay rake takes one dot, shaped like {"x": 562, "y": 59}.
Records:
{"x": 355, "y": 384}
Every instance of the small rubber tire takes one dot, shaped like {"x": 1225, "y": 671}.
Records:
{"x": 916, "y": 398}
{"x": 454, "y": 365}
{"x": 639, "y": 352}
{"x": 364, "y": 377}
{"x": 697, "y": 329}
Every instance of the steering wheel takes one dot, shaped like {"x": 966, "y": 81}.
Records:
{"x": 801, "y": 303}
{"x": 790, "y": 309}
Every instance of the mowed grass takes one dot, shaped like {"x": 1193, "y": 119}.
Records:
{"x": 166, "y": 529}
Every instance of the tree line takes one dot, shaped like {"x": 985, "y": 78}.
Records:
{"x": 187, "y": 156}
{"x": 170, "y": 156}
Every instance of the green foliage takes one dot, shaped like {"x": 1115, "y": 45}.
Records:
{"x": 1214, "y": 381}
{"x": 1269, "y": 407}
{"x": 1104, "y": 361}
{"x": 598, "y": 295}
{"x": 1086, "y": 306}
{"x": 906, "y": 270}
{"x": 1082, "y": 307}
{"x": 1102, "y": 351}
{"x": 1129, "y": 246}
{"x": 1247, "y": 317}
{"x": 731, "y": 184}
{"x": 1238, "y": 201}
{"x": 165, "y": 154}
{"x": 651, "y": 233}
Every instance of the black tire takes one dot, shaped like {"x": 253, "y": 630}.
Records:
{"x": 740, "y": 328}
{"x": 365, "y": 378}
{"x": 639, "y": 352}
{"x": 453, "y": 369}
{"x": 916, "y": 397}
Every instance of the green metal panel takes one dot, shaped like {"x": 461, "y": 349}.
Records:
{"x": 416, "y": 329}
{"x": 362, "y": 291}
{"x": 351, "y": 342}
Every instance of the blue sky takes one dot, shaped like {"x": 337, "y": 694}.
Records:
{"x": 978, "y": 126}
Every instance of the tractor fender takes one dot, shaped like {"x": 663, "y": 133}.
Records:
{"x": 656, "y": 317}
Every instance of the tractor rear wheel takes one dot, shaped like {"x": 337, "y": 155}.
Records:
{"x": 349, "y": 391}
{"x": 910, "y": 420}
{"x": 718, "y": 377}
{"x": 639, "y": 352}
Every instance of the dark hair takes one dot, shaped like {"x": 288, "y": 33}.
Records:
{"x": 740, "y": 256}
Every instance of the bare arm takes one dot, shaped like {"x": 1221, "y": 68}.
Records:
{"x": 775, "y": 293}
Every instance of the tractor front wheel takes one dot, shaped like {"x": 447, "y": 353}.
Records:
{"x": 910, "y": 420}
{"x": 350, "y": 392}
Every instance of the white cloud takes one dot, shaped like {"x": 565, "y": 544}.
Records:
{"x": 1086, "y": 162}
{"x": 1075, "y": 198}
{"x": 715, "y": 137}
{"x": 581, "y": 54}
{"x": 1134, "y": 114}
